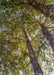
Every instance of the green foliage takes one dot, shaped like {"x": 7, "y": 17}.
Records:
{"x": 14, "y": 54}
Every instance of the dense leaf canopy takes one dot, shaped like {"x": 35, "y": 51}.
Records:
{"x": 14, "y": 55}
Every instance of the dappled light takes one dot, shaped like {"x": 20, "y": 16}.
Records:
{"x": 26, "y": 37}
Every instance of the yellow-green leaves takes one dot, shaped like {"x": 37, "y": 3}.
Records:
{"x": 13, "y": 50}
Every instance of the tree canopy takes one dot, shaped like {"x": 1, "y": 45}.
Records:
{"x": 14, "y": 56}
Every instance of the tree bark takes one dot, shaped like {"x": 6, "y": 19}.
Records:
{"x": 37, "y": 69}
{"x": 48, "y": 35}
{"x": 47, "y": 10}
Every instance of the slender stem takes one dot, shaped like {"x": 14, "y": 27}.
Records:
{"x": 36, "y": 67}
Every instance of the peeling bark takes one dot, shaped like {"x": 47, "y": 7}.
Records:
{"x": 47, "y": 10}
{"x": 37, "y": 69}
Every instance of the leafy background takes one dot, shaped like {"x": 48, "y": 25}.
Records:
{"x": 14, "y": 56}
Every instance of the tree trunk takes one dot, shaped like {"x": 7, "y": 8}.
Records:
{"x": 50, "y": 37}
{"x": 47, "y": 10}
{"x": 37, "y": 69}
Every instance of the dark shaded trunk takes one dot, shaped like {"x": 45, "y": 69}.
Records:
{"x": 37, "y": 69}
{"x": 50, "y": 37}
{"x": 47, "y": 10}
